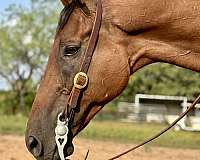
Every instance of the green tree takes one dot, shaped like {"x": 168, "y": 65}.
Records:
{"x": 164, "y": 79}
{"x": 26, "y": 34}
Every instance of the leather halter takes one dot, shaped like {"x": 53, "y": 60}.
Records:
{"x": 81, "y": 79}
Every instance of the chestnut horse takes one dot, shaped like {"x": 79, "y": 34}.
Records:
{"x": 133, "y": 34}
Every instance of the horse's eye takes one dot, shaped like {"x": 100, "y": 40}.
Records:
{"x": 70, "y": 50}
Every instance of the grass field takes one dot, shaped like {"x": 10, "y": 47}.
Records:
{"x": 136, "y": 133}
{"x": 115, "y": 131}
{"x": 12, "y": 124}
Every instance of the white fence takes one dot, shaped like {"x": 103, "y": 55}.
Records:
{"x": 149, "y": 113}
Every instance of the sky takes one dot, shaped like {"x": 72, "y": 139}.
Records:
{"x": 5, "y": 3}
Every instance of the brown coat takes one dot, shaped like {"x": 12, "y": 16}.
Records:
{"x": 134, "y": 33}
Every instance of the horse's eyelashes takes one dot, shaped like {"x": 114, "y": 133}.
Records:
{"x": 70, "y": 50}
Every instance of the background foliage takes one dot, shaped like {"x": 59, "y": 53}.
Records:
{"x": 164, "y": 79}
{"x": 26, "y": 34}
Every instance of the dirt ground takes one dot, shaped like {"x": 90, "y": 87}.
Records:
{"x": 13, "y": 148}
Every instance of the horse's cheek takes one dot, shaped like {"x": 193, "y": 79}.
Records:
{"x": 120, "y": 76}
{"x": 109, "y": 76}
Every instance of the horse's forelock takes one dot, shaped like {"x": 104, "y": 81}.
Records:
{"x": 64, "y": 16}
{"x": 65, "y": 2}
{"x": 67, "y": 11}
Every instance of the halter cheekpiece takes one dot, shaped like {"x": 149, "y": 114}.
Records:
{"x": 81, "y": 80}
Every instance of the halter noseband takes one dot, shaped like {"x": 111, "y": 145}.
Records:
{"x": 65, "y": 119}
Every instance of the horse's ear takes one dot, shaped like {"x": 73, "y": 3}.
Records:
{"x": 65, "y": 2}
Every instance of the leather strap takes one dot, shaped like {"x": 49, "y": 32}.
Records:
{"x": 82, "y": 80}
{"x": 197, "y": 100}
{"x": 93, "y": 39}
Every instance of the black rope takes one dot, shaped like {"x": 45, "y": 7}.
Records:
{"x": 87, "y": 154}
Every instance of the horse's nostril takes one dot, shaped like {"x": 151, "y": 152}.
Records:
{"x": 34, "y": 146}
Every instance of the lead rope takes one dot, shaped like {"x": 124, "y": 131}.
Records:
{"x": 86, "y": 156}
{"x": 197, "y": 100}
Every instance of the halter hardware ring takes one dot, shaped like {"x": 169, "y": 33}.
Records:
{"x": 76, "y": 80}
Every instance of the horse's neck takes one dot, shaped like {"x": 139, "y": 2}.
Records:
{"x": 165, "y": 31}
{"x": 135, "y": 14}
{"x": 147, "y": 51}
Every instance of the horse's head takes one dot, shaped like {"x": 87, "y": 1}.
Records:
{"x": 108, "y": 75}
{"x": 132, "y": 35}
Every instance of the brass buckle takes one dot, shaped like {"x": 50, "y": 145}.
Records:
{"x": 80, "y": 86}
